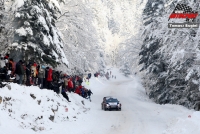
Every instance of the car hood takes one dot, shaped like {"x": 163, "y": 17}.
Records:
{"x": 113, "y": 103}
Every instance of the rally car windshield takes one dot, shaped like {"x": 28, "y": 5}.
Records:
{"x": 112, "y": 100}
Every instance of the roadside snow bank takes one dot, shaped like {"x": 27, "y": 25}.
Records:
{"x": 187, "y": 125}
{"x": 32, "y": 108}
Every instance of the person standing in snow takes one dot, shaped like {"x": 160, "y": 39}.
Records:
{"x": 34, "y": 73}
{"x": 55, "y": 86}
{"x": 107, "y": 75}
{"x": 46, "y": 75}
{"x": 19, "y": 71}
{"x": 74, "y": 83}
{"x": 83, "y": 91}
{"x": 87, "y": 82}
{"x": 65, "y": 95}
{"x": 78, "y": 90}
{"x": 41, "y": 76}
{"x": 65, "y": 84}
{"x": 49, "y": 78}
{"x": 89, "y": 76}
{"x": 28, "y": 74}
{"x": 80, "y": 80}
{"x": 89, "y": 92}
{"x": 70, "y": 84}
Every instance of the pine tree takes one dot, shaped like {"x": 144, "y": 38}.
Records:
{"x": 125, "y": 69}
{"x": 169, "y": 56}
{"x": 36, "y": 37}
{"x": 6, "y": 30}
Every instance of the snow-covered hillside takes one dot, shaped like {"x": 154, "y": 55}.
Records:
{"x": 30, "y": 108}
{"x": 27, "y": 110}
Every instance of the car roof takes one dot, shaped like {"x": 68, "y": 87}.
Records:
{"x": 115, "y": 99}
{"x": 107, "y": 97}
{"x": 110, "y": 97}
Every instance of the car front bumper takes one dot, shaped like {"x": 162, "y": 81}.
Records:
{"x": 113, "y": 107}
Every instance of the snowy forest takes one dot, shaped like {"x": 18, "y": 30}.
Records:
{"x": 170, "y": 57}
{"x": 79, "y": 37}
{"x": 76, "y": 36}
{"x": 42, "y": 31}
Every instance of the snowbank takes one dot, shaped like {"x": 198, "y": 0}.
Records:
{"x": 29, "y": 108}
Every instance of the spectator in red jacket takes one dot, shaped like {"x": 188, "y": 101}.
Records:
{"x": 70, "y": 85}
{"x": 78, "y": 89}
{"x": 49, "y": 78}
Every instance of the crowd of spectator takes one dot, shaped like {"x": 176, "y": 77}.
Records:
{"x": 34, "y": 74}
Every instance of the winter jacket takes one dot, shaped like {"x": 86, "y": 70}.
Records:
{"x": 33, "y": 71}
{"x": 19, "y": 69}
{"x": 41, "y": 73}
{"x": 89, "y": 92}
{"x": 80, "y": 80}
{"x": 55, "y": 75}
{"x": 22, "y": 69}
{"x": 78, "y": 90}
{"x": 89, "y": 75}
{"x": 55, "y": 86}
{"x": 12, "y": 67}
{"x": 65, "y": 82}
{"x": 28, "y": 69}
{"x": 35, "y": 64}
{"x": 70, "y": 84}
{"x": 46, "y": 72}
{"x": 82, "y": 91}
{"x": 49, "y": 76}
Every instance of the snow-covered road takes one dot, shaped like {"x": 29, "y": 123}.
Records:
{"x": 139, "y": 114}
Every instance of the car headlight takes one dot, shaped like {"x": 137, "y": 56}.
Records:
{"x": 119, "y": 105}
{"x": 107, "y": 105}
